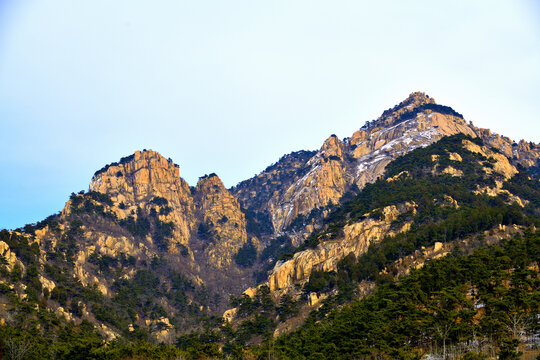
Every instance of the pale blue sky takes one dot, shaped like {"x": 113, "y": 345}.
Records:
{"x": 230, "y": 86}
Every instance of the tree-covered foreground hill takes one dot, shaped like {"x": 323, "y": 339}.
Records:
{"x": 467, "y": 306}
{"x": 482, "y": 304}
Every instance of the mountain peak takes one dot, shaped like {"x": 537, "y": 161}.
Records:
{"x": 414, "y": 100}
{"x": 332, "y": 146}
{"x": 138, "y": 178}
{"x": 210, "y": 183}
{"x": 418, "y": 98}
{"x": 145, "y": 155}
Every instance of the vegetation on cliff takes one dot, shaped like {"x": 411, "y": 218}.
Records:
{"x": 462, "y": 304}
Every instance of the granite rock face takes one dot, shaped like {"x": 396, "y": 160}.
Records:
{"x": 144, "y": 179}
{"x": 356, "y": 239}
{"x": 220, "y": 213}
{"x": 341, "y": 165}
{"x": 136, "y": 182}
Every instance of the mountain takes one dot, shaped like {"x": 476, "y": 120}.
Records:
{"x": 142, "y": 256}
{"x": 302, "y": 182}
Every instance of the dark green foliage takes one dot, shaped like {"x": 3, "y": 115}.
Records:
{"x": 509, "y": 350}
{"x": 312, "y": 241}
{"x": 258, "y": 325}
{"x": 16, "y": 273}
{"x": 159, "y": 201}
{"x": 526, "y": 187}
{"x": 103, "y": 262}
{"x": 92, "y": 203}
{"x": 257, "y": 222}
{"x": 441, "y": 109}
{"x": 377, "y": 214}
{"x": 77, "y": 343}
{"x": 19, "y": 244}
{"x": 137, "y": 227}
{"x": 162, "y": 233}
{"x": 470, "y": 297}
{"x": 432, "y": 222}
{"x": 258, "y": 316}
{"x": 278, "y": 249}
{"x": 334, "y": 158}
{"x": 183, "y": 249}
{"x": 123, "y": 160}
{"x": 60, "y": 295}
{"x": 207, "y": 176}
{"x": 205, "y": 230}
{"x": 100, "y": 197}
{"x": 287, "y": 307}
{"x": 301, "y": 220}
{"x": 33, "y": 285}
{"x": 51, "y": 221}
{"x": 200, "y": 345}
{"x": 320, "y": 281}
{"x": 165, "y": 210}
{"x": 246, "y": 255}
{"x": 420, "y": 159}
{"x": 458, "y": 224}
{"x": 147, "y": 287}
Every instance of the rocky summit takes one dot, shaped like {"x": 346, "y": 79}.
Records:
{"x": 209, "y": 271}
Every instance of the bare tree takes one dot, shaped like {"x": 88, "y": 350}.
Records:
{"x": 16, "y": 350}
{"x": 442, "y": 330}
{"x": 516, "y": 324}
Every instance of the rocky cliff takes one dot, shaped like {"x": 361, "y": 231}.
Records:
{"x": 147, "y": 181}
{"x": 356, "y": 239}
{"x": 137, "y": 180}
{"x": 339, "y": 165}
{"x": 222, "y": 224}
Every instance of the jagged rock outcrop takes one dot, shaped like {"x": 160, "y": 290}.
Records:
{"x": 140, "y": 178}
{"x": 325, "y": 183}
{"x": 420, "y": 257}
{"x": 148, "y": 181}
{"x": 255, "y": 193}
{"x": 500, "y": 163}
{"x": 222, "y": 219}
{"x": 356, "y": 239}
{"x": 524, "y": 153}
{"x": 138, "y": 215}
{"x": 9, "y": 256}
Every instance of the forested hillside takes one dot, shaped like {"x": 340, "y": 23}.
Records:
{"x": 471, "y": 306}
